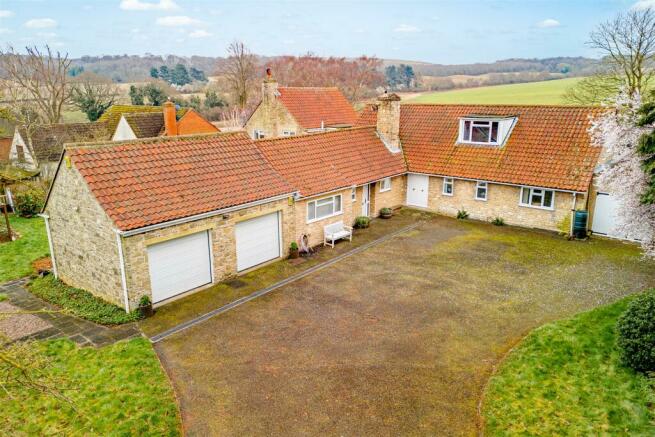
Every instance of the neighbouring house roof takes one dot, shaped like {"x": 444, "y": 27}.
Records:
{"x": 5, "y": 147}
{"x": 141, "y": 183}
{"x": 310, "y": 106}
{"x": 319, "y": 163}
{"x": 145, "y": 124}
{"x": 113, "y": 114}
{"x": 548, "y": 147}
{"x": 47, "y": 141}
{"x": 193, "y": 123}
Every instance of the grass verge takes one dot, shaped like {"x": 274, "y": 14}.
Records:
{"x": 566, "y": 377}
{"x": 79, "y": 302}
{"x": 16, "y": 256}
{"x": 116, "y": 390}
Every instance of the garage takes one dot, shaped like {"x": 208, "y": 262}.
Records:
{"x": 257, "y": 240}
{"x": 604, "y": 219}
{"x": 179, "y": 265}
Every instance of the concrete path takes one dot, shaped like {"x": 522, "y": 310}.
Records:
{"x": 51, "y": 325}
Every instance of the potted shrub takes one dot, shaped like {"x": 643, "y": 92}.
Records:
{"x": 294, "y": 252}
{"x": 362, "y": 222}
{"x": 145, "y": 306}
{"x": 498, "y": 221}
{"x": 386, "y": 213}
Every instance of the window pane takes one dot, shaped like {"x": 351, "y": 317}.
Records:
{"x": 353, "y": 194}
{"x": 548, "y": 199}
{"x": 525, "y": 196}
{"x": 311, "y": 212}
{"x": 480, "y": 134}
{"x": 448, "y": 186}
{"x": 467, "y": 131}
{"x": 481, "y": 190}
{"x": 537, "y": 197}
{"x": 324, "y": 210}
{"x": 494, "y": 131}
{"x": 337, "y": 203}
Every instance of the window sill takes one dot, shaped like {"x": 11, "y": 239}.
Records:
{"x": 323, "y": 218}
{"x": 480, "y": 199}
{"x": 447, "y": 194}
{"x": 473, "y": 143}
{"x": 543, "y": 208}
{"x": 384, "y": 191}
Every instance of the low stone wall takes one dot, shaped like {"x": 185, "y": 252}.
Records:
{"x": 502, "y": 201}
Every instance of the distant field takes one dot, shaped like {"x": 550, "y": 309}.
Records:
{"x": 544, "y": 93}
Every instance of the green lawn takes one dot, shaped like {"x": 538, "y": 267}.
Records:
{"x": 566, "y": 378}
{"x": 16, "y": 256}
{"x": 116, "y": 390}
{"x": 534, "y": 93}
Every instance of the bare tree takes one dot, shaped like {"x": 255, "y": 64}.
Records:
{"x": 93, "y": 94}
{"x": 239, "y": 71}
{"x": 37, "y": 78}
{"x": 627, "y": 44}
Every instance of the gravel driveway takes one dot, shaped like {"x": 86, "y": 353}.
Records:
{"x": 398, "y": 340}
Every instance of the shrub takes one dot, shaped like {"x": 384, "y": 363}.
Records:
{"x": 145, "y": 301}
{"x": 498, "y": 221}
{"x": 462, "y": 214}
{"x": 29, "y": 198}
{"x": 293, "y": 245}
{"x": 385, "y": 211}
{"x": 80, "y": 303}
{"x": 362, "y": 222}
{"x": 636, "y": 333}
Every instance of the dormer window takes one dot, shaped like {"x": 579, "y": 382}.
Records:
{"x": 482, "y": 130}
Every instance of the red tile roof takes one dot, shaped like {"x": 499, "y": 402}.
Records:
{"x": 324, "y": 162}
{"x": 549, "y": 146}
{"x": 140, "y": 183}
{"x": 312, "y": 105}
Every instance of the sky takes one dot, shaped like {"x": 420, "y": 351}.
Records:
{"x": 445, "y": 32}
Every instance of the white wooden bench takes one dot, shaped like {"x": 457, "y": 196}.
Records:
{"x": 336, "y": 231}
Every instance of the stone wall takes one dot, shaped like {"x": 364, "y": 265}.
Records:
{"x": 502, "y": 201}
{"x": 222, "y": 234}
{"x": 84, "y": 243}
{"x": 315, "y": 229}
{"x": 389, "y": 199}
{"x": 272, "y": 119}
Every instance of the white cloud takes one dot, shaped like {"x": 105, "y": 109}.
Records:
{"x": 40, "y": 23}
{"x": 46, "y": 35}
{"x": 406, "y": 28}
{"x": 176, "y": 21}
{"x": 199, "y": 34}
{"x": 548, "y": 22}
{"x": 5, "y": 13}
{"x": 138, "y": 5}
{"x": 644, "y": 4}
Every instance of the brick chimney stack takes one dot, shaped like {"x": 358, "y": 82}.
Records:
{"x": 269, "y": 88}
{"x": 388, "y": 120}
{"x": 170, "y": 119}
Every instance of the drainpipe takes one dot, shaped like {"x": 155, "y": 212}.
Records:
{"x": 575, "y": 197}
{"x": 50, "y": 246}
{"x": 121, "y": 261}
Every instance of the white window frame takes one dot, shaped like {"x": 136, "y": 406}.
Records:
{"x": 481, "y": 123}
{"x": 448, "y": 181}
{"x": 385, "y": 185}
{"x": 538, "y": 192}
{"x": 482, "y": 184}
{"x": 259, "y": 134}
{"x": 288, "y": 133}
{"x": 313, "y": 204}
{"x": 353, "y": 194}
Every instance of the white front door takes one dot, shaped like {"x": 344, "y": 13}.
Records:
{"x": 179, "y": 265}
{"x": 417, "y": 190}
{"x": 257, "y": 240}
{"x": 366, "y": 199}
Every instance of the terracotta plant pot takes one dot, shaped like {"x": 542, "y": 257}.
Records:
{"x": 294, "y": 253}
{"x": 386, "y": 215}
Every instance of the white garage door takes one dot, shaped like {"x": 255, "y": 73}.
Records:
{"x": 604, "y": 219}
{"x": 417, "y": 190}
{"x": 179, "y": 265}
{"x": 258, "y": 240}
